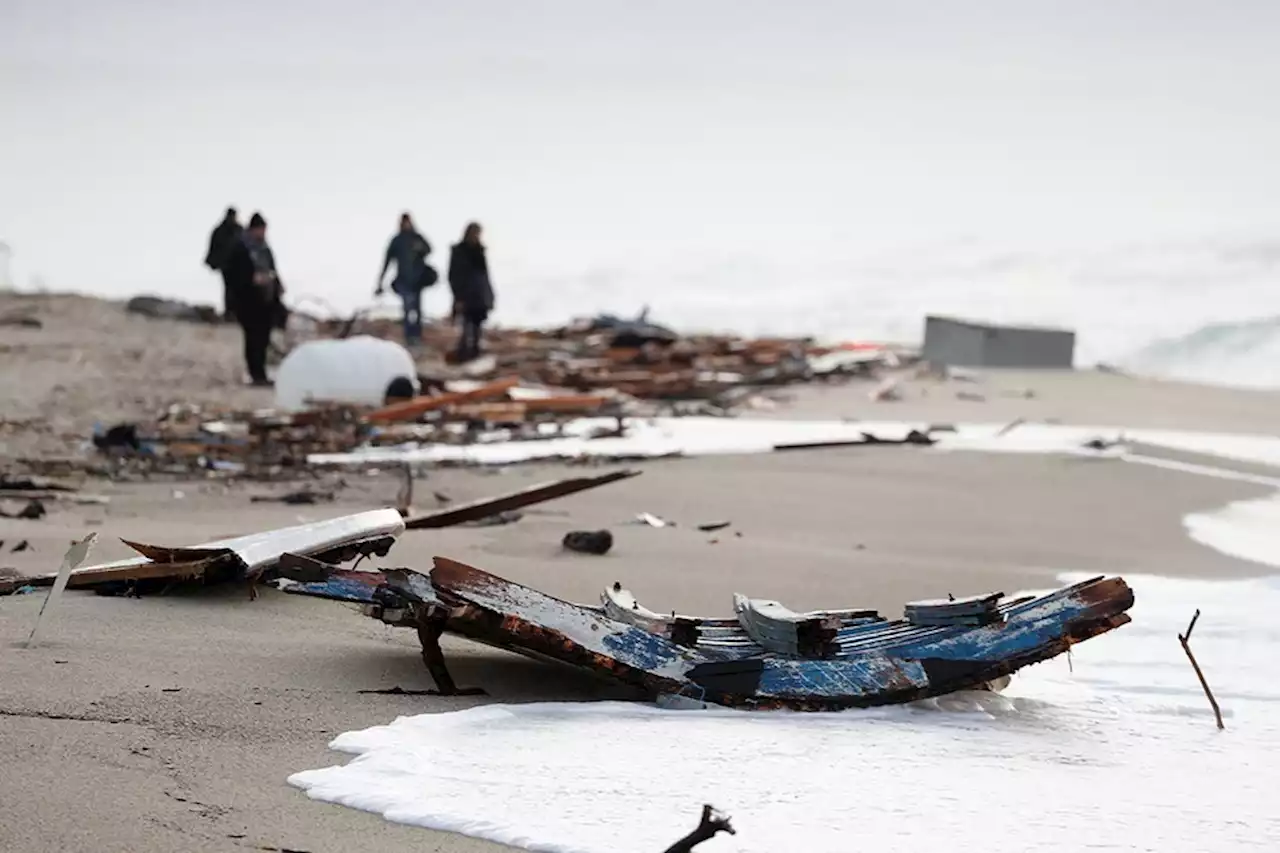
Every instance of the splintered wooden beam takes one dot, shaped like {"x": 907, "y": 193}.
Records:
{"x": 1185, "y": 639}
{"x": 514, "y": 500}
{"x": 411, "y": 409}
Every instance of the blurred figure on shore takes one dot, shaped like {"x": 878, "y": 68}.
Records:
{"x": 221, "y": 241}
{"x": 472, "y": 291}
{"x": 256, "y": 294}
{"x": 409, "y": 250}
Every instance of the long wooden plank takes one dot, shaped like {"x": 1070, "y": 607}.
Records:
{"x": 514, "y": 500}
{"x": 410, "y": 409}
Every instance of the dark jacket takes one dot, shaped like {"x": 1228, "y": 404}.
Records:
{"x": 221, "y": 242}
{"x": 409, "y": 250}
{"x": 246, "y": 258}
{"x": 469, "y": 280}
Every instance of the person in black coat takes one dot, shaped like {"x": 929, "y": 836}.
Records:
{"x": 221, "y": 241}
{"x": 472, "y": 290}
{"x": 256, "y": 293}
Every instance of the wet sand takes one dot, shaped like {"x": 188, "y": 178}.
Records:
{"x": 172, "y": 722}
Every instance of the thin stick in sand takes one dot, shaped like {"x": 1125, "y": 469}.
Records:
{"x": 1185, "y": 639}
{"x": 76, "y": 554}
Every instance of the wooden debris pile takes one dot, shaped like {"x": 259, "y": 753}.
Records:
{"x": 528, "y": 386}
{"x": 643, "y": 360}
{"x": 184, "y": 440}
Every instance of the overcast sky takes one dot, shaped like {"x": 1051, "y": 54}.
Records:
{"x": 606, "y": 136}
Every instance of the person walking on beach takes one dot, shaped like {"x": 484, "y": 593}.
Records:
{"x": 409, "y": 250}
{"x": 256, "y": 293}
{"x": 221, "y": 241}
{"x": 472, "y": 290}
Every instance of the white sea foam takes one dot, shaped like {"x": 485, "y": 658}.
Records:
{"x": 695, "y": 436}
{"x": 1249, "y": 529}
{"x": 1121, "y": 753}
{"x": 1244, "y": 353}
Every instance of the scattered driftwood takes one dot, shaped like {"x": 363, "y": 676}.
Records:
{"x": 712, "y": 824}
{"x": 1185, "y": 639}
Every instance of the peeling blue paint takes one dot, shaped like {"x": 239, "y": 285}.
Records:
{"x": 341, "y": 586}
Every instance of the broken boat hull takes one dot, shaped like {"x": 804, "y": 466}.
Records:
{"x": 867, "y": 662}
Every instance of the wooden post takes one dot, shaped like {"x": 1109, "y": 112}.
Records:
{"x": 1185, "y": 639}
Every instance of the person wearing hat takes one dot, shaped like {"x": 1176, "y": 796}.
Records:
{"x": 256, "y": 291}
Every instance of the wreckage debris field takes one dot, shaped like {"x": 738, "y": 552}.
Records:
{"x": 185, "y": 710}
{"x": 189, "y": 709}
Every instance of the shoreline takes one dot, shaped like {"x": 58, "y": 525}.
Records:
{"x": 93, "y": 362}
{"x": 189, "y": 710}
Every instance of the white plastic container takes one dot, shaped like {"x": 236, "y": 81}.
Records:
{"x": 352, "y": 370}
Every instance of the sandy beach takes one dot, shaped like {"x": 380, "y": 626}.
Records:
{"x": 171, "y": 722}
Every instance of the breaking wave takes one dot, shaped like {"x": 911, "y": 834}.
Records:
{"x": 1243, "y": 354}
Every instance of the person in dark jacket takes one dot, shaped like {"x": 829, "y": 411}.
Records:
{"x": 221, "y": 241}
{"x": 409, "y": 250}
{"x": 256, "y": 293}
{"x": 472, "y": 290}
